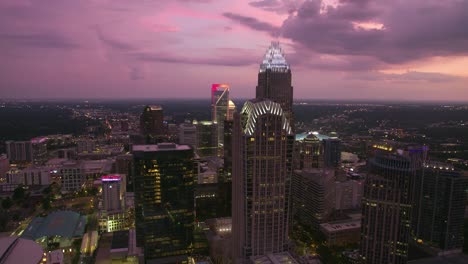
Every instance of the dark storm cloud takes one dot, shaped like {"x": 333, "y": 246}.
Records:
{"x": 37, "y": 40}
{"x": 252, "y": 23}
{"x": 412, "y": 29}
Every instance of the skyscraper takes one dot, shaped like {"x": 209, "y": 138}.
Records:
{"x": 220, "y": 110}
{"x": 188, "y": 134}
{"x": 112, "y": 192}
{"x": 387, "y": 203}
{"x": 207, "y": 138}
{"x": 274, "y": 80}
{"x": 19, "y": 151}
{"x": 152, "y": 122}
{"x": 332, "y": 151}
{"x": 439, "y": 208}
{"x": 164, "y": 205}
{"x": 262, "y": 169}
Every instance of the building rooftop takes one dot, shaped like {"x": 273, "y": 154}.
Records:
{"x": 119, "y": 240}
{"x": 160, "y": 147}
{"x": 274, "y": 59}
{"x": 278, "y": 258}
{"x": 341, "y": 225}
{"x": 18, "y": 250}
{"x": 66, "y": 224}
{"x": 254, "y": 108}
{"x": 455, "y": 259}
{"x": 311, "y": 134}
{"x": 155, "y": 107}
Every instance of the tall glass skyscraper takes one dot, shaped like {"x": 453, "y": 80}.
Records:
{"x": 262, "y": 170}
{"x": 387, "y": 203}
{"x": 220, "y": 111}
{"x": 164, "y": 193}
{"x": 152, "y": 123}
{"x": 439, "y": 208}
{"x": 274, "y": 80}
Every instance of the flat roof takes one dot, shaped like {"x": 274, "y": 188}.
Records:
{"x": 17, "y": 250}
{"x": 119, "y": 240}
{"x": 160, "y": 147}
{"x": 277, "y": 258}
{"x": 67, "y": 224}
{"x": 455, "y": 259}
{"x": 341, "y": 225}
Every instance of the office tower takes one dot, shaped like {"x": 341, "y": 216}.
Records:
{"x": 85, "y": 145}
{"x": 207, "y": 138}
{"x": 274, "y": 80}
{"x": 231, "y": 110}
{"x": 164, "y": 199}
{"x": 112, "y": 192}
{"x": 123, "y": 166}
{"x": 188, "y": 134}
{"x": 29, "y": 176}
{"x": 72, "y": 176}
{"x": 313, "y": 195}
{"x": 348, "y": 194}
{"x": 220, "y": 108}
{"x": 387, "y": 203}
{"x": 332, "y": 151}
{"x": 227, "y": 171}
{"x": 152, "y": 122}
{"x": 309, "y": 151}
{"x": 19, "y": 151}
{"x": 439, "y": 208}
{"x": 262, "y": 169}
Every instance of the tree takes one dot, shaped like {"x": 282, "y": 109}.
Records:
{"x": 19, "y": 194}
{"x": 46, "y": 203}
{"x": 7, "y": 203}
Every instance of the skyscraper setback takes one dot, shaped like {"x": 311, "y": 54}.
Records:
{"x": 274, "y": 80}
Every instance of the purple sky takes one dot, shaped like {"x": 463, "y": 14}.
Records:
{"x": 338, "y": 49}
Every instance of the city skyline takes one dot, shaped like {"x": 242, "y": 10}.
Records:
{"x": 132, "y": 49}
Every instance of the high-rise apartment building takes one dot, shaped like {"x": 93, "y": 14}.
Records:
{"x": 72, "y": 176}
{"x": 112, "y": 192}
{"x": 313, "y": 192}
{"x": 164, "y": 200}
{"x": 439, "y": 208}
{"x": 39, "y": 147}
{"x": 262, "y": 170}
{"x": 387, "y": 203}
{"x": 19, "y": 151}
{"x": 274, "y": 80}
{"x": 152, "y": 121}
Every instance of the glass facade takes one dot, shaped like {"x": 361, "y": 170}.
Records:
{"x": 164, "y": 192}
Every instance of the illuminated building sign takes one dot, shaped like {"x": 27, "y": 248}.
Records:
{"x": 110, "y": 178}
